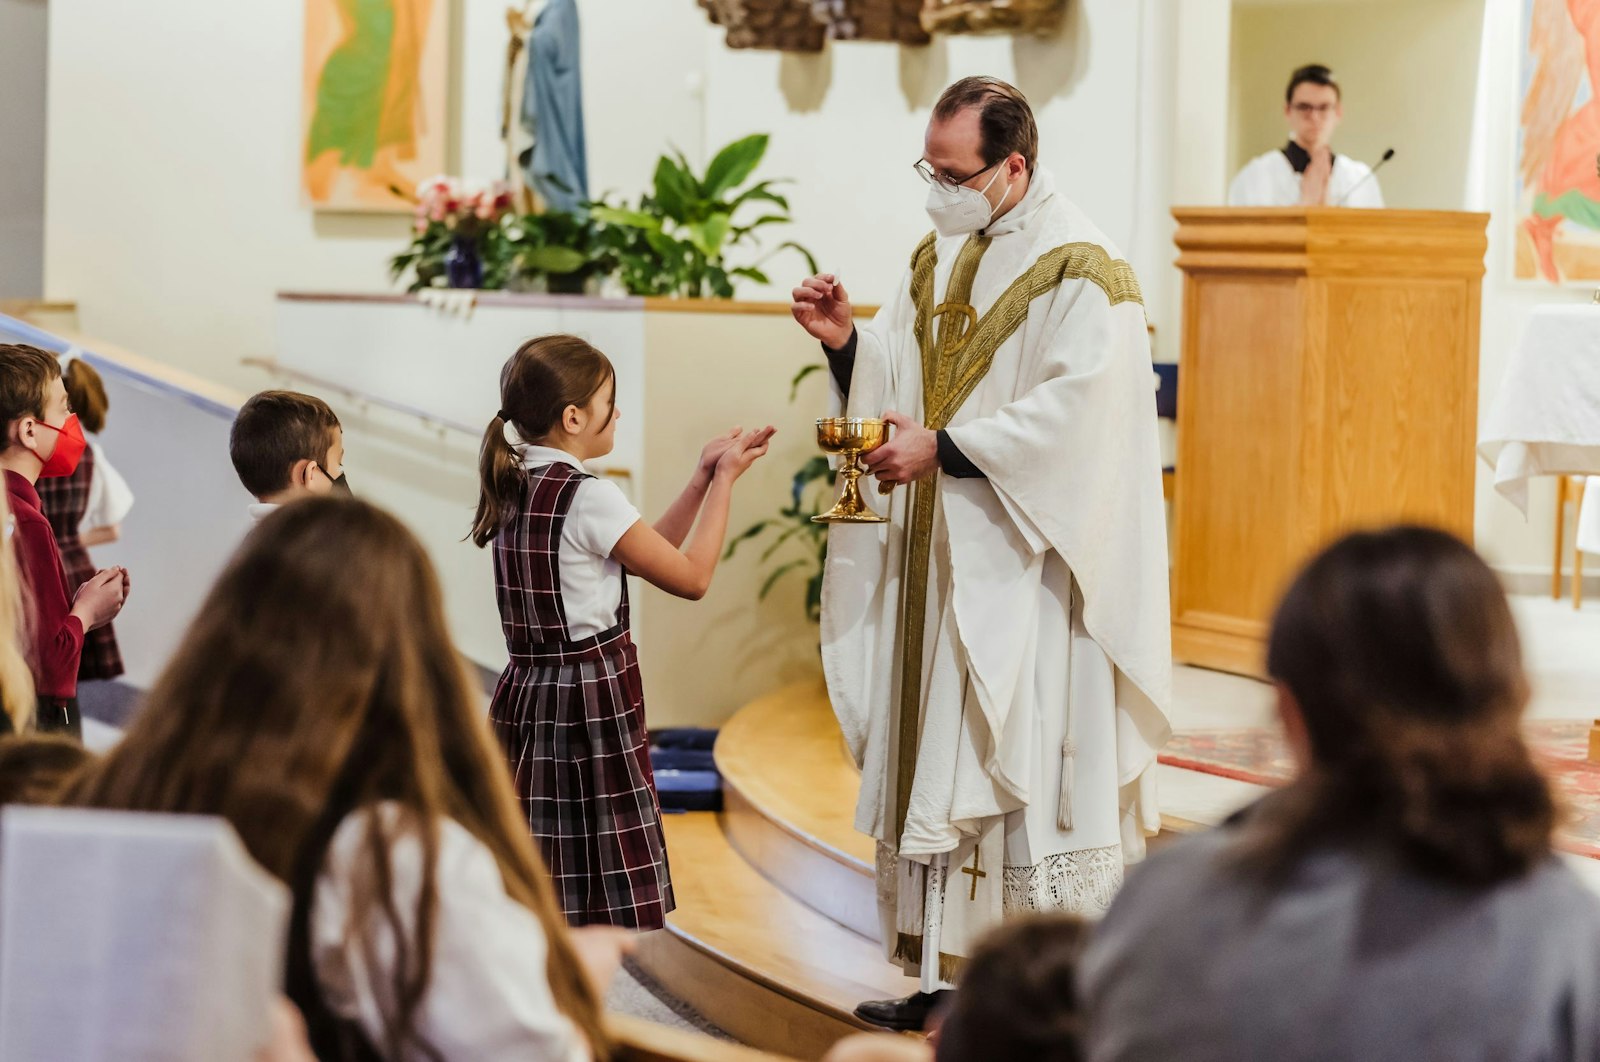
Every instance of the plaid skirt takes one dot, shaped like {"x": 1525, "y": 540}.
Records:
{"x": 570, "y": 717}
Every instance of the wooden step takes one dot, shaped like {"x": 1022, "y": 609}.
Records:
{"x": 789, "y": 790}
{"x": 638, "y": 1040}
{"x": 752, "y": 959}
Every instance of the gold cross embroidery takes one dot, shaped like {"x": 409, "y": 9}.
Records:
{"x": 976, "y": 874}
{"x": 967, "y": 314}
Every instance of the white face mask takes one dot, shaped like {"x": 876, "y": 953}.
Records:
{"x": 956, "y": 212}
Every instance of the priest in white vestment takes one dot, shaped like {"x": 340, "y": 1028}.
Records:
{"x": 998, "y": 654}
{"x": 1305, "y": 171}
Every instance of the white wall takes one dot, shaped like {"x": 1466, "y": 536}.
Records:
{"x": 23, "y": 30}
{"x": 188, "y": 187}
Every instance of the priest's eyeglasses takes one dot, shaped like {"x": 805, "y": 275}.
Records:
{"x": 949, "y": 182}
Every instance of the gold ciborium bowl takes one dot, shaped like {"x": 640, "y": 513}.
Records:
{"x": 850, "y": 437}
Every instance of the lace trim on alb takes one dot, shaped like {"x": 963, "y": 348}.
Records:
{"x": 1070, "y": 883}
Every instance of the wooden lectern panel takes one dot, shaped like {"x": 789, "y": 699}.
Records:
{"x": 1399, "y": 436}
{"x": 1329, "y": 382}
{"x": 1223, "y": 557}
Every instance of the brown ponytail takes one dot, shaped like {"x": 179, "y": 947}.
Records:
{"x": 1400, "y": 650}
{"x": 538, "y": 383}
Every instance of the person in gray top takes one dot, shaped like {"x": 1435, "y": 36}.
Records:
{"x": 1400, "y": 898}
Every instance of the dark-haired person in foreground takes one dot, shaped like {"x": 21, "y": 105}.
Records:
{"x": 1017, "y": 1002}
{"x": 1399, "y": 900}
{"x": 999, "y": 656}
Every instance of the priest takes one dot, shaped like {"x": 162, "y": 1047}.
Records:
{"x": 998, "y": 653}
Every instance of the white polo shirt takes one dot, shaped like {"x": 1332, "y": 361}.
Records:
{"x": 591, "y": 582}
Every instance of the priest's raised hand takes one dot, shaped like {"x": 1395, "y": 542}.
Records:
{"x": 823, "y": 309}
{"x": 912, "y": 452}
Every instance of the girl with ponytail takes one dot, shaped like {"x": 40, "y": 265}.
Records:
{"x": 569, "y": 708}
{"x": 1399, "y": 899}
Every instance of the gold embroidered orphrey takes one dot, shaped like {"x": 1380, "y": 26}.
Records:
{"x": 955, "y": 360}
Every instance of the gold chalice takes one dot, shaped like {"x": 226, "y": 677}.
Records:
{"x": 850, "y": 437}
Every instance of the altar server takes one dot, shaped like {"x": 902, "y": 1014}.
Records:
{"x": 1305, "y": 171}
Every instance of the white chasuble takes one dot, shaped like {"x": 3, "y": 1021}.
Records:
{"x": 998, "y": 654}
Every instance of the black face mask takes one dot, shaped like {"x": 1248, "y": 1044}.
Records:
{"x": 340, "y": 486}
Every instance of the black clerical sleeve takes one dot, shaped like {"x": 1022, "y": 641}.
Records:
{"x": 953, "y": 462}
{"x": 842, "y": 363}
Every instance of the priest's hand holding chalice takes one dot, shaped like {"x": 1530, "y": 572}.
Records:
{"x": 904, "y": 454}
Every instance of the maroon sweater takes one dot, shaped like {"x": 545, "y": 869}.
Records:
{"x": 57, "y": 635}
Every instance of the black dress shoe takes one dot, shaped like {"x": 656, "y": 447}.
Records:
{"x": 903, "y": 1015}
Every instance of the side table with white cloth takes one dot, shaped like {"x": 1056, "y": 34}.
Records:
{"x": 1545, "y": 419}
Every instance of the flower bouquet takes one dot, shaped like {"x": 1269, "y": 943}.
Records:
{"x": 456, "y": 235}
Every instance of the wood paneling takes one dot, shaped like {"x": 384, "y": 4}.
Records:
{"x": 1330, "y": 382}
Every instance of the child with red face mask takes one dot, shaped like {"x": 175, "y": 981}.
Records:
{"x": 43, "y": 440}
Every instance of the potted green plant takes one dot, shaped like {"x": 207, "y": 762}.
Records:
{"x": 677, "y": 239}
{"x": 559, "y": 250}
{"x": 797, "y": 544}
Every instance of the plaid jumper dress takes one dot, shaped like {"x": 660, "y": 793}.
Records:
{"x": 64, "y": 500}
{"x": 570, "y": 716}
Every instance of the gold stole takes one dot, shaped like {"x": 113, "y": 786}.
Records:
{"x": 954, "y": 361}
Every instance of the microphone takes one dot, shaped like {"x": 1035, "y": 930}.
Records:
{"x": 1387, "y": 155}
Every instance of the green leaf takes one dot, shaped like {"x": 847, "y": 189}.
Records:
{"x": 708, "y": 235}
{"x": 778, "y": 542}
{"x": 671, "y": 250}
{"x": 814, "y": 598}
{"x": 814, "y": 469}
{"x": 799, "y": 377}
{"x": 763, "y": 192}
{"x": 632, "y": 219}
{"x": 777, "y": 573}
{"x": 811, "y": 262}
{"x": 748, "y": 533}
{"x": 734, "y": 164}
{"x": 556, "y": 260}
{"x": 675, "y": 189}
{"x": 692, "y": 183}
{"x": 750, "y": 273}
{"x": 769, "y": 219}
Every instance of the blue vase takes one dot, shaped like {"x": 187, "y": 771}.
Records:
{"x": 463, "y": 264}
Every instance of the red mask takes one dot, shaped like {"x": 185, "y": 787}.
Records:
{"x": 69, "y": 448}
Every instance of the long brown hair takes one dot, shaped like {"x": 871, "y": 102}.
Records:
{"x": 87, "y": 393}
{"x": 1400, "y": 649}
{"x": 537, "y": 384}
{"x": 16, "y": 637}
{"x": 34, "y": 768}
{"x": 318, "y": 680}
